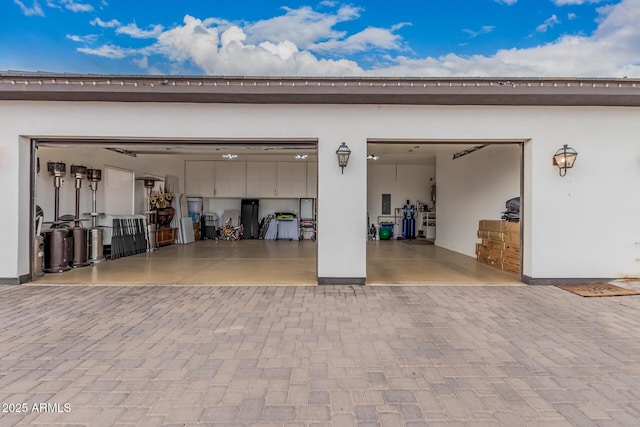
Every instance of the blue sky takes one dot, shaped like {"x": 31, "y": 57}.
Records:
{"x": 430, "y": 38}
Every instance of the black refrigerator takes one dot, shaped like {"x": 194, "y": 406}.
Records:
{"x": 249, "y": 218}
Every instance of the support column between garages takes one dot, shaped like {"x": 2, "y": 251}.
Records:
{"x": 342, "y": 205}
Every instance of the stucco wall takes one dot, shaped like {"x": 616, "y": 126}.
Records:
{"x": 471, "y": 188}
{"x": 583, "y": 225}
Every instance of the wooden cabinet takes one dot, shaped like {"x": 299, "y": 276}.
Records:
{"x": 291, "y": 179}
{"x": 261, "y": 179}
{"x": 166, "y": 236}
{"x": 199, "y": 178}
{"x": 230, "y": 179}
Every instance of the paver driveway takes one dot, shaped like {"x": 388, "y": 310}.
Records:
{"x": 342, "y": 356}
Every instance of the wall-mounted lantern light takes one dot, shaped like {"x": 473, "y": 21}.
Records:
{"x": 564, "y": 159}
{"x": 343, "y": 153}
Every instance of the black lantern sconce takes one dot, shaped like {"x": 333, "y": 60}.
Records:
{"x": 343, "y": 153}
{"x": 564, "y": 159}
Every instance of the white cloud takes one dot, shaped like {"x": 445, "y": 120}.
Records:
{"x": 507, "y": 2}
{"x": 548, "y": 23}
{"x": 229, "y": 53}
{"x": 34, "y": 10}
{"x": 114, "y": 23}
{"x": 74, "y": 6}
{"x": 107, "y": 51}
{"x": 303, "y": 26}
{"x": 484, "y": 30}
{"x": 574, "y": 2}
{"x": 571, "y": 16}
{"x": 89, "y": 38}
{"x": 132, "y": 30}
{"x": 367, "y": 39}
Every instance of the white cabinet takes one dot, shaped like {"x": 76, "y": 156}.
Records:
{"x": 429, "y": 218}
{"x": 291, "y": 179}
{"x": 230, "y": 179}
{"x": 199, "y": 178}
{"x": 261, "y": 179}
{"x": 312, "y": 179}
{"x": 213, "y": 178}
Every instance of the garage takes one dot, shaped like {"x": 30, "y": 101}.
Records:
{"x": 432, "y": 196}
{"x": 279, "y": 176}
{"x": 216, "y": 180}
{"x": 521, "y": 124}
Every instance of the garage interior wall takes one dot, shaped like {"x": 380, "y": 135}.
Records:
{"x": 474, "y": 187}
{"x": 403, "y": 182}
{"x": 98, "y": 158}
{"x": 146, "y": 164}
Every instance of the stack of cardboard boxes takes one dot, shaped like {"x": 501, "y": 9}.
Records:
{"x": 500, "y": 247}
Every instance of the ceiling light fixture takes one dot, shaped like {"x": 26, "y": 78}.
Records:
{"x": 301, "y": 156}
{"x": 372, "y": 157}
{"x": 229, "y": 156}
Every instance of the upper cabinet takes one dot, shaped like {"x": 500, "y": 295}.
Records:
{"x": 291, "y": 179}
{"x": 214, "y": 178}
{"x": 261, "y": 179}
{"x": 230, "y": 179}
{"x": 199, "y": 178}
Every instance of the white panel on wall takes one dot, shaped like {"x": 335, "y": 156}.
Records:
{"x": 118, "y": 191}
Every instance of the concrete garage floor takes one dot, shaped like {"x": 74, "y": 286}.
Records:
{"x": 279, "y": 262}
{"x": 397, "y": 262}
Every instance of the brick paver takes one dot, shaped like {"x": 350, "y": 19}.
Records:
{"x": 302, "y": 356}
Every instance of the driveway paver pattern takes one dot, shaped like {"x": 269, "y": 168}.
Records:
{"x": 317, "y": 356}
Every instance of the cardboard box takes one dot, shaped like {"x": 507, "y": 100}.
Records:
{"x": 493, "y": 244}
{"x": 509, "y": 237}
{"x": 490, "y": 225}
{"x": 511, "y": 227}
{"x": 511, "y": 269}
{"x": 499, "y": 226}
{"x": 512, "y": 256}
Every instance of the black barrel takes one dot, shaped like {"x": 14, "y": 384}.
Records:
{"x": 57, "y": 248}
{"x": 80, "y": 247}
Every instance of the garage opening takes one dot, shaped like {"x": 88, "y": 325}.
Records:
{"x": 178, "y": 195}
{"x": 425, "y": 201}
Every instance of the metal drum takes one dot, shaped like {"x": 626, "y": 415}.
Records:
{"x": 80, "y": 246}
{"x": 38, "y": 255}
{"x": 96, "y": 249}
{"x": 151, "y": 235}
{"x": 58, "y": 250}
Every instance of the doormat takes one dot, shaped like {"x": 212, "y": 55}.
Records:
{"x": 598, "y": 290}
{"x": 418, "y": 242}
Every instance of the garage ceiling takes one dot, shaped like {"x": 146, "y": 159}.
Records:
{"x": 417, "y": 152}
